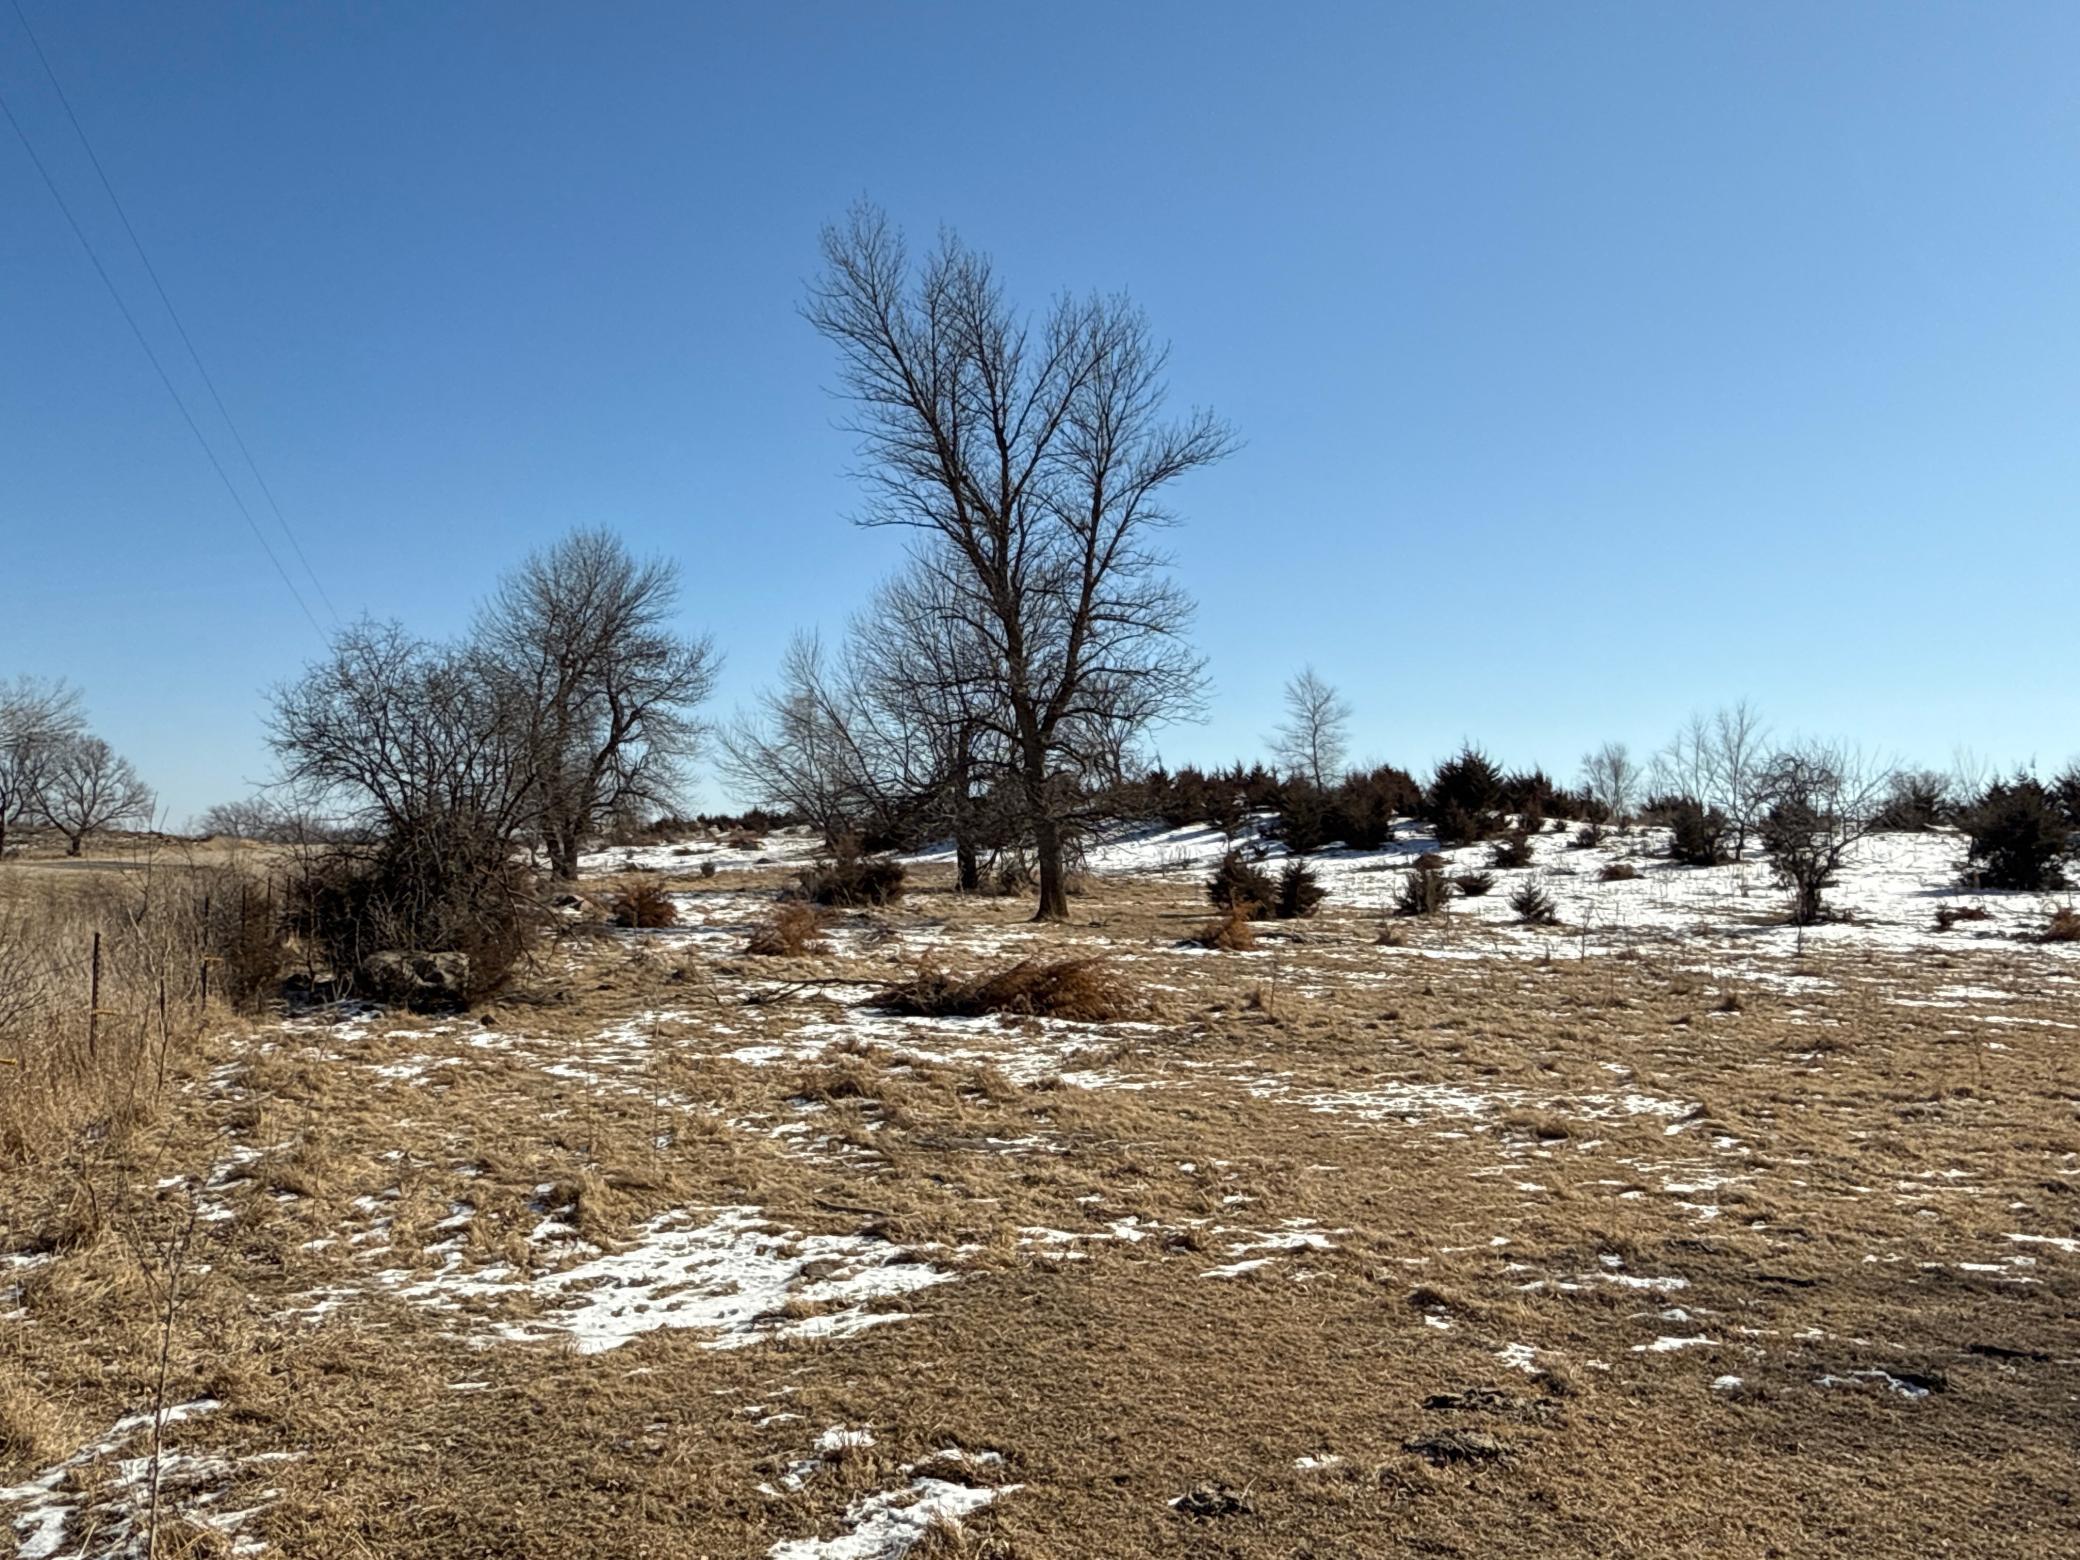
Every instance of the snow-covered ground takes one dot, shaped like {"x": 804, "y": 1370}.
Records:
{"x": 1890, "y": 888}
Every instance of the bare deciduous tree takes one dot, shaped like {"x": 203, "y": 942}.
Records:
{"x": 1315, "y": 736}
{"x": 37, "y": 719}
{"x": 1612, "y": 780}
{"x": 1035, "y": 456}
{"x": 1819, "y": 799}
{"x": 90, "y": 788}
{"x": 798, "y": 752}
{"x": 1718, "y": 761}
{"x": 603, "y": 688}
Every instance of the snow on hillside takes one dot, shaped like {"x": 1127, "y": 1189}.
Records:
{"x": 1889, "y": 890}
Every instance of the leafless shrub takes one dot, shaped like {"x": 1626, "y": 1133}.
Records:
{"x": 2063, "y": 927}
{"x": 851, "y": 879}
{"x": 1472, "y": 885}
{"x": 1618, "y": 872}
{"x": 1822, "y": 798}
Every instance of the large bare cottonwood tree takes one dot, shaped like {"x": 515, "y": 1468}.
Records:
{"x": 1035, "y": 456}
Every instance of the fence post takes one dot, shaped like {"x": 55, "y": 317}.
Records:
{"x": 94, "y": 998}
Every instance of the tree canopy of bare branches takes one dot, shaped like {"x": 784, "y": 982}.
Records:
{"x": 1818, "y": 799}
{"x": 1612, "y": 779}
{"x": 1717, "y": 761}
{"x": 1314, "y": 738}
{"x": 37, "y": 719}
{"x": 603, "y": 690}
{"x": 89, "y": 787}
{"x": 1035, "y": 457}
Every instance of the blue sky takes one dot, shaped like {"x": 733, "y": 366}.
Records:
{"x": 1595, "y": 363}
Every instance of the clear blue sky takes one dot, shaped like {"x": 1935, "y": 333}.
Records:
{"x": 1595, "y": 362}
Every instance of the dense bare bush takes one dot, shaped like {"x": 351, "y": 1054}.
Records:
{"x": 852, "y": 879}
{"x": 2020, "y": 836}
{"x": 1534, "y": 906}
{"x": 1617, "y": 872}
{"x": 1948, "y": 916}
{"x": 1587, "y": 837}
{"x": 1080, "y": 990}
{"x": 1472, "y": 885}
{"x": 1822, "y": 798}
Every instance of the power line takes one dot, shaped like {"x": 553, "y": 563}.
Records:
{"x": 186, "y": 416}
{"x": 172, "y": 313}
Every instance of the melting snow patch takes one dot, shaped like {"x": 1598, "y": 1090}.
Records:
{"x": 888, "y": 1524}
{"x": 731, "y": 1276}
{"x": 1671, "y": 1345}
{"x": 189, "y": 1484}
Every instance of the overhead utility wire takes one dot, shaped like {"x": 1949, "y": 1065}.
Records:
{"x": 186, "y": 416}
{"x": 172, "y": 313}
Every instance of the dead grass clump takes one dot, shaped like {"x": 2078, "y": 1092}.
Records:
{"x": 1472, "y": 885}
{"x": 2063, "y": 927}
{"x": 641, "y": 905}
{"x": 1229, "y": 933}
{"x": 1081, "y": 990}
{"x": 33, "y": 1432}
{"x": 795, "y": 929}
{"x": 1618, "y": 872}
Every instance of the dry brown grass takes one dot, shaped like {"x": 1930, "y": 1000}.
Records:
{"x": 642, "y": 903}
{"x": 1230, "y": 933}
{"x": 2064, "y": 925}
{"x": 793, "y": 930}
{"x": 1082, "y": 990}
{"x": 1114, "y": 1380}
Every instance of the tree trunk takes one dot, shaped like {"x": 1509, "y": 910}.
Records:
{"x": 563, "y": 854}
{"x": 73, "y": 842}
{"x": 1054, "y": 892}
{"x": 968, "y": 862}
